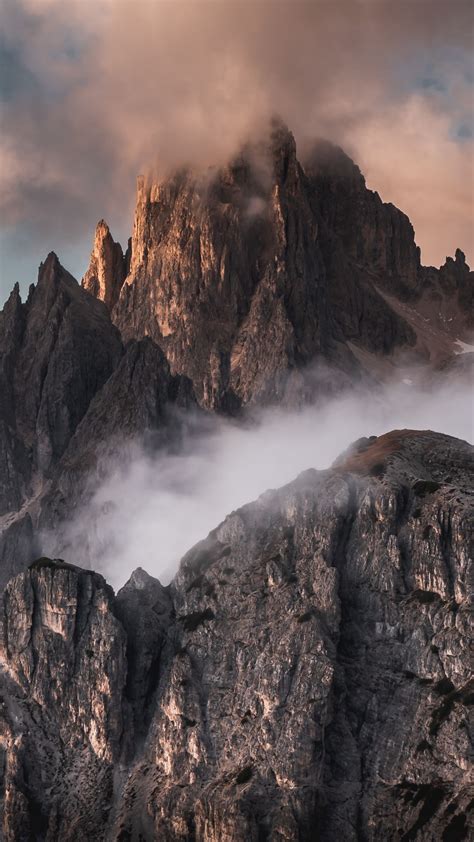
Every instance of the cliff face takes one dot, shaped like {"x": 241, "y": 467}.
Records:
{"x": 375, "y": 236}
{"x": 305, "y": 675}
{"x": 63, "y": 659}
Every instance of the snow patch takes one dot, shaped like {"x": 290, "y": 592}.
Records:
{"x": 465, "y": 347}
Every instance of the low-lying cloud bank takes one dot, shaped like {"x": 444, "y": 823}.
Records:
{"x": 152, "y": 511}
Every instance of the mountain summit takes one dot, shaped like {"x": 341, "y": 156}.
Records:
{"x": 248, "y": 275}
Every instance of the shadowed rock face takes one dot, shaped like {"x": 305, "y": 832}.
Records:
{"x": 58, "y": 349}
{"x": 71, "y": 393}
{"x": 141, "y": 407}
{"x": 56, "y": 352}
{"x": 305, "y": 675}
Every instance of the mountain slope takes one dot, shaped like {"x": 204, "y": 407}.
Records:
{"x": 305, "y": 674}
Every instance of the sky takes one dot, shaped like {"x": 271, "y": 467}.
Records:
{"x": 93, "y": 92}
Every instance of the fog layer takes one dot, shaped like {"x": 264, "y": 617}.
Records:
{"x": 152, "y": 511}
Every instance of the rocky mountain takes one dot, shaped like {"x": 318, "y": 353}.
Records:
{"x": 248, "y": 275}
{"x": 274, "y": 279}
{"x": 305, "y": 676}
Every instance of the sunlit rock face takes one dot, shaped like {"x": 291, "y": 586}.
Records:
{"x": 305, "y": 675}
{"x": 108, "y": 267}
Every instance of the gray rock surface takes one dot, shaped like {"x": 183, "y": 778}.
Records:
{"x": 306, "y": 675}
{"x": 64, "y": 667}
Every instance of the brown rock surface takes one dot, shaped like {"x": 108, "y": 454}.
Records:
{"x": 108, "y": 267}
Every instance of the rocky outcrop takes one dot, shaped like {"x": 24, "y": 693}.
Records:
{"x": 108, "y": 267}
{"x": 368, "y": 247}
{"x": 56, "y": 351}
{"x": 145, "y": 609}
{"x": 138, "y": 397}
{"x": 373, "y": 235}
{"x": 305, "y": 675}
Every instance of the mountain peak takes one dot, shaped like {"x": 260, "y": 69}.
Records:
{"x": 108, "y": 266}
{"x": 49, "y": 266}
{"x": 460, "y": 257}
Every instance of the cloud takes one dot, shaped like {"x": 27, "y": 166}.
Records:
{"x": 430, "y": 177}
{"x": 101, "y": 89}
{"x": 150, "y": 511}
